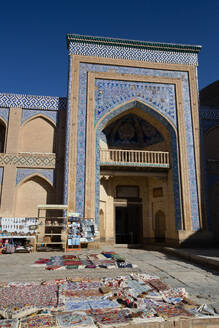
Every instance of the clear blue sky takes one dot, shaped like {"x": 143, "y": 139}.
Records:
{"x": 33, "y": 56}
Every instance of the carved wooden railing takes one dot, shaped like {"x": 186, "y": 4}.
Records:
{"x": 134, "y": 158}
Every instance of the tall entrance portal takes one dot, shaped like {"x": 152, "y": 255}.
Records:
{"x": 132, "y": 119}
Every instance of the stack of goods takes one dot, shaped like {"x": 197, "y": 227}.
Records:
{"x": 108, "y": 302}
{"x": 87, "y": 230}
{"x": 74, "y": 231}
{"x": 80, "y": 230}
{"x": 106, "y": 260}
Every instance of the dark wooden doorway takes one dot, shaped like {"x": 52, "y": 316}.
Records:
{"x": 128, "y": 222}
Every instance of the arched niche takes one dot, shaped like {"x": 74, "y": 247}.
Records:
{"x": 33, "y": 191}
{"x": 37, "y": 135}
{"x": 131, "y": 131}
{"x": 2, "y": 136}
{"x": 212, "y": 143}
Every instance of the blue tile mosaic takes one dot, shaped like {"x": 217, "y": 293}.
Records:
{"x": 1, "y": 174}
{"x": 28, "y": 113}
{"x": 22, "y": 174}
{"x": 65, "y": 198}
{"x": 80, "y": 179}
{"x": 4, "y": 114}
{"x": 32, "y": 102}
{"x": 149, "y": 55}
{"x": 109, "y": 94}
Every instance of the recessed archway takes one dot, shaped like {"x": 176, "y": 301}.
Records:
{"x": 37, "y": 135}
{"x": 168, "y": 131}
{"x": 31, "y": 192}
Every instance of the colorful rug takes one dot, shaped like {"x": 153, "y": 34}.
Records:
{"x": 112, "y": 318}
{"x": 9, "y": 323}
{"x": 106, "y": 260}
{"x": 39, "y": 321}
{"x": 75, "y": 320}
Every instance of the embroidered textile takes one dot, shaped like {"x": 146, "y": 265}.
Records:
{"x": 39, "y": 321}
{"x": 75, "y": 320}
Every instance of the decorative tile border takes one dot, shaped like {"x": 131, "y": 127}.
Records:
{"x": 4, "y": 114}
{"x": 28, "y": 113}
{"x": 24, "y": 173}
{"x": 209, "y": 114}
{"x": 148, "y": 55}
{"x": 80, "y": 178}
{"x": 32, "y": 102}
{"x": 29, "y": 160}
{"x": 109, "y": 94}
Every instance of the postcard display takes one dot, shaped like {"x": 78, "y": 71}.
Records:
{"x": 79, "y": 230}
{"x": 18, "y": 226}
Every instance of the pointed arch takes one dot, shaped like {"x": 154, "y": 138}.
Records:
{"x": 32, "y": 191}
{"x": 38, "y": 135}
{"x": 168, "y": 129}
{"x": 3, "y": 126}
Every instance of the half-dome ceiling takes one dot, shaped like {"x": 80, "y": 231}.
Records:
{"x": 131, "y": 131}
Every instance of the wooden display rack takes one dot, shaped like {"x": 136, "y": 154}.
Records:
{"x": 44, "y": 237}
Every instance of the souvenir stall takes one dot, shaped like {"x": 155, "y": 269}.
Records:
{"x": 79, "y": 231}
{"x": 17, "y": 234}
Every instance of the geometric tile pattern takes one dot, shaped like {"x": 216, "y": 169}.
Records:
{"x": 80, "y": 177}
{"x": 32, "y": 102}
{"x": 109, "y": 94}
{"x": 4, "y": 113}
{"x": 150, "y": 55}
{"x": 209, "y": 114}
{"x": 28, "y": 160}
{"x": 68, "y": 115}
{"x": 49, "y": 174}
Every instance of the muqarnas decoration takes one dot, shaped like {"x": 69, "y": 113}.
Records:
{"x": 131, "y": 131}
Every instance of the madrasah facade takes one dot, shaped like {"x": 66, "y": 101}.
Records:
{"x": 123, "y": 147}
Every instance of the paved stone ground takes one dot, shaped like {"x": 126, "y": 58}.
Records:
{"x": 201, "y": 283}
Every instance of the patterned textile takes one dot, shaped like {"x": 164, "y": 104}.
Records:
{"x": 157, "y": 284}
{"x": 26, "y": 298}
{"x": 84, "y": 293}
{"x": 9, "y": 323}
{"x": 39, "y": 321}
{"x": 174, "y": 295}
{"x": 75, "y": 320}
{"x": 74, "y": 305}
{"x": 112, "y": 318}
{"x": 101, "y": 303}
{"x": 107, "y": 260}
{"x": 169, "y": 311}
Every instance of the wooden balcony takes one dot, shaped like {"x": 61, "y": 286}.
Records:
{"x": 134, "y": 158}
